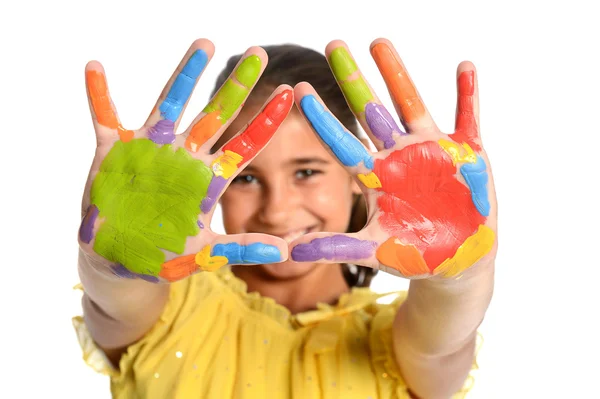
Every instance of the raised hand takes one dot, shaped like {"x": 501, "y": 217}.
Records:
{"x": 151, "y": 192}
{"x": 432, "y": 206}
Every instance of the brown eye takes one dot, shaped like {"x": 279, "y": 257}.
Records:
{"x": 244, "y": 179}
{"x": 306, "y": 173}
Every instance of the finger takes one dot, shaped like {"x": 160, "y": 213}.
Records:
{"x": 242, "y": 249}
{"x": 101, "y": 105}
{"x": 467, "y": 107}
{"x": 227, "y": 101}
{"x": 408, "y": 102}
{"x": 245, "y": 146}
{"x": 334, "y": 248}
{"x": 366, "y": 106}
{"x": 166, "y": 115}
{"x": 343, "y": 144}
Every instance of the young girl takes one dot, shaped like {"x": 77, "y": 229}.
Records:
{"x": 280, "y": 307}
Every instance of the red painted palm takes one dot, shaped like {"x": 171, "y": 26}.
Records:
{"x": 431, "y": 203}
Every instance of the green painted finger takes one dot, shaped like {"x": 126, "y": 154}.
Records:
{"x": 355, "y": 89}
{"x": 231, "y": 96}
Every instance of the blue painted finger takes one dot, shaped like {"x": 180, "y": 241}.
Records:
{"x": 183, "y": 85}
{"x": 256, "y": 253}
{"x": 344, "y": 145}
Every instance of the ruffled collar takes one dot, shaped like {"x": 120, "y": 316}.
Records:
{"x": 358, "y": 299}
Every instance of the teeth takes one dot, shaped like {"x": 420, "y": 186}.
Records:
{"x": 294, "y": 235}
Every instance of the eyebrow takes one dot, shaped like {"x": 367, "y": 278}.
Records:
{"x": 298, "y": 161}
{"x": 304, "y": 161}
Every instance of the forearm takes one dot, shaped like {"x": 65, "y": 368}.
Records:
{"x": 118, "y": 311}
{"x": 436, "y": 327}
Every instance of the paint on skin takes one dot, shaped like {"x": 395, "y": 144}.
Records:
{"x": 200, "y": 224}
{"x": 262, "y": 128}
{"x": 202, "y": 131}
{"x": 458, "y": 153}
{"x": 257, "y": 253}
{"x": 102, "y": 105}
{"x": 470, "y": 252}
{"x": 343, "y": 144}
{"x": 222, "y": 254}
{"x": 179, "y": 268}
{"x": 423, "y": 204}
{"x": 353, "y": 85}
{"x": 163, "y": 132}
{"x": 182, "y": 87}
{"x": 405, "y": 258}
{"x": 382, "y": 124}
{"x": 227, "y": 164}
{"x": 216, "y": 186}
{"x": 398, "y": 82}
{"x": 245, "y": 146}
{"x": 121, "y": 271}
{"x": 474, "y": 172}
{"x": 476, "y": 177}
{"x": 466, "y": 126}
{"x": 209, "y": 263}
{"x": 369, "y": 180}
{"x": 337, "y": 248}
{"x": 225, "y": 103}
{"x": 158, "y": 186}
{"x": 86, "y": 230}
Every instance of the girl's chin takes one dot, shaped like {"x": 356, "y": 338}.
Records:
{"x": 288, "y": 269}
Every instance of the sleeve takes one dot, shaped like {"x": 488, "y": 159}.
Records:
{"x": 390, "y": 382}
{"x": 178, "y": 307}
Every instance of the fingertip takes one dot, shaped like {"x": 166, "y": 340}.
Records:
{"x": 282, "y": 88}
{"x": 205, "y": 45}
{"x": 332, "y": 45}
{"x": 258, "y": 51}
{"x": 465, "y": 66}
{"x": 303, "y": 89}
{"x": 94, "y": 65}
{"x": 380, "y": 40}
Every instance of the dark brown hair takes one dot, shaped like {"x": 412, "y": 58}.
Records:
{"x": 291, "y": 64}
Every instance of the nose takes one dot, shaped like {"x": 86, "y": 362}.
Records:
{"x": 280, "y": 201}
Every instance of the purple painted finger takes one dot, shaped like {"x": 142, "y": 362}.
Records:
{"x": 86, "y": 231}
{"x": 382, "y": 124}
{"x": 215, "y": 188}
{"x": 337, "y": 248}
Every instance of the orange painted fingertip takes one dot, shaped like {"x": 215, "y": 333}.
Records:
{"x": 396, "y": 78}
{"x": 98, "y": 90}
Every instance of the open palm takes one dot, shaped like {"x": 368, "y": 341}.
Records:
{"x": 432, "y": 207}
{"x": 151, "y": 193}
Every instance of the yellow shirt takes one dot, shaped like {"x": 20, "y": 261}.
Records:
{"x": 214, "y": 340}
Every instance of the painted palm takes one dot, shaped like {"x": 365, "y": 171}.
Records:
{"x": 430, "y": 195}
{"x": 151, "y": 193}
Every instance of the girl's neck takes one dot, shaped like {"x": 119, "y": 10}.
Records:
{"x": 323, "y": 284}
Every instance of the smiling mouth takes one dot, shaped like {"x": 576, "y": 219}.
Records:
{"x": 295, "y": 234}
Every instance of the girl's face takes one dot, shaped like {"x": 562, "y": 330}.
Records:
{"x": 293, "y": 187}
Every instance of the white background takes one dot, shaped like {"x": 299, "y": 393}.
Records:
{"x": 538, "y": 71}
